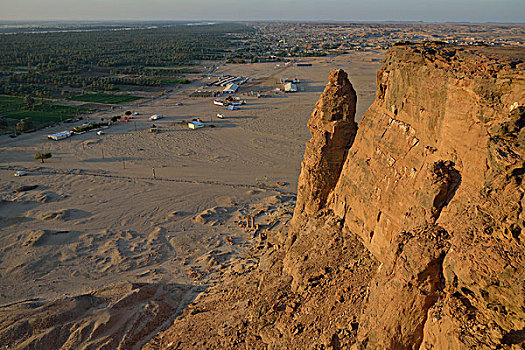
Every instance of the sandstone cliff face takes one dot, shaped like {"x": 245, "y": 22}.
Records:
{"x": 432, "y": 185}
{"x": 333, "y": 130}
{"x": 407, "y": 234}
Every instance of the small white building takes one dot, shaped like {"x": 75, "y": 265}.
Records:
{"x": 195, "y": 125}
{"x": 290, "y": 87}
{"x": 231, "y": 88}
{"x": 60, "y": 135}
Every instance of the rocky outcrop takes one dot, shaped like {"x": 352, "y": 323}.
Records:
{"x": 407, "y": 234}
{"x": 438, "y": 158}
{"x": 333, "y": 129}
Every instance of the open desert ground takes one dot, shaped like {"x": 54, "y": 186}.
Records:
{"x": 100, "y": 222}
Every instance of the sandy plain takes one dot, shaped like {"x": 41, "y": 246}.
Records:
{"x": 99, "y": 220}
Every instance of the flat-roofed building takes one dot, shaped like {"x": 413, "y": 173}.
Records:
{"x": 290, "y": 87}
{"x": 231, "y": 88}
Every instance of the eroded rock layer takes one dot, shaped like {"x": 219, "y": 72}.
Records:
{"x": 433, "y": 188}
{"x": 407, "y": 234}
{"x": 333, "y": 130}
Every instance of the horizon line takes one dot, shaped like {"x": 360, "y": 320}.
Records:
{"x": 254, "y": 20}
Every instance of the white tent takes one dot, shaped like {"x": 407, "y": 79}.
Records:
{"x": 60, "y": 135}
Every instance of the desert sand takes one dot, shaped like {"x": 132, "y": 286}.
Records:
{"x": 99, "y": 224}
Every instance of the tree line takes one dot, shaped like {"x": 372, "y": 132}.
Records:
{"x": 42, "y": 64}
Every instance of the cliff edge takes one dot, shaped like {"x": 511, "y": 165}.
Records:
{"x": 408, "y": 230}
{"x": 432, "y": 186}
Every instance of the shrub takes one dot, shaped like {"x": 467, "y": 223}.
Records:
{"x": 24, "y": 125}
{"x": 88, "y": 127}
{"x": 42, "y": 156}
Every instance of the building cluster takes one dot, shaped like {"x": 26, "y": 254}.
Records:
{"x": 229, "y": 83}
{"x": 273, "y": 40}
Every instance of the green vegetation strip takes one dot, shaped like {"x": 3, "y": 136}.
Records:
{"x": 106, "y": 98}
{"x": 89, "y": 127}
{"x": 57, "y": 63}
{"x": 175, "y": 81}
{"x": 40, "y": 113}
{"x": 9, "y": 103}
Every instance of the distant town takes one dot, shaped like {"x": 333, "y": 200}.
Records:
{"x": 278, "y": 40}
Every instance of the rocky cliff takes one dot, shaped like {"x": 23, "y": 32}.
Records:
{"x": 432, "y": 185}
{"x": 333, "y": 130}
{"x": 407, "y": 234}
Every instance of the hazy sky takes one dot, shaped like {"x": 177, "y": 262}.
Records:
{"x": 352, "y": 10}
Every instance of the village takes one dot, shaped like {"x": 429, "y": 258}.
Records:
{"x": 282, "y": 41}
